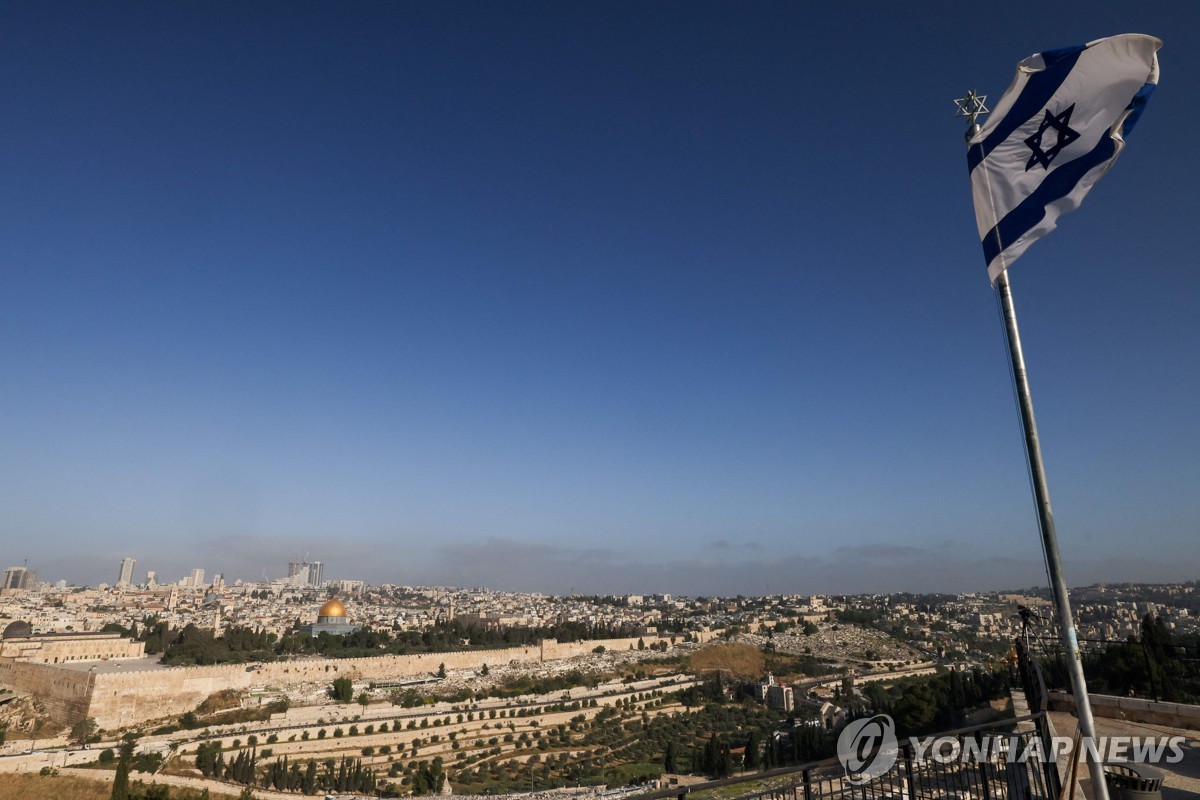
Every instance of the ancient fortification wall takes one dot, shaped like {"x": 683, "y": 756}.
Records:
{"x": 65, "y": 693}
{"x": 142, "y": 691}
{"x": 554, "y": 650}
{"x": 120, "y": 698}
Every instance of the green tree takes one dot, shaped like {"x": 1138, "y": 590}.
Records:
{"x": 715, "y": 759}
{"x": 429, "y": 778}
{"x": 309, "y": 784}
{"x": 364, "y": 700}
{"x": 441, "y": 673}
{"x": 753, "y": 746}
{"x": 207, "y": 755}
{"x": 343, "y": 690}
{"x": 670, "y": 759}
{"x": 148, "y": 762}
{"x": 120, "y": 790}
{"x": 1167, "y": 676}
{"x": 84, "y": 729}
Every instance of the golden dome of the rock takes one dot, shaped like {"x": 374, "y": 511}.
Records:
{"x": 332, "y": 608}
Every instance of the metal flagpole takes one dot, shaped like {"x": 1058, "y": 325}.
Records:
{"x": 972, "y": 106}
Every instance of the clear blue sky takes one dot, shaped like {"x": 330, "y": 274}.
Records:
{"x": 651, "y": 297}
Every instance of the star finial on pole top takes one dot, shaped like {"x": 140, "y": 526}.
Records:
{"x": 972, "y": 107}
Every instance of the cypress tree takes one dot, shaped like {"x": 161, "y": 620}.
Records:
{"x": 669, "y": 759}
{"x": 750, "y": 761}
{"x": 120, "y": 790}
{"x": 310, "y": 777}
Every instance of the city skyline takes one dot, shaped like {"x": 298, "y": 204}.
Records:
{"x": 685, "y": 298}
{"x": 502, "y": 566}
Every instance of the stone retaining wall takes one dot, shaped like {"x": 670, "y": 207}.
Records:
{"x": 1134, "y": 709}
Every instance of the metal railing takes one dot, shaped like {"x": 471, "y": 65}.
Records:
{"x": 1033, "y": 683}
{"x": 998, "y": 773}
{"x": 1169, "y": 672}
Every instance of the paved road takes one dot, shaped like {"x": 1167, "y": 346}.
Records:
{"x": 1182, "y": 779}
{"x": 106, "y": 776}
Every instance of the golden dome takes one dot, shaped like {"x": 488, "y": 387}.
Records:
{"x": 332, "y": 608}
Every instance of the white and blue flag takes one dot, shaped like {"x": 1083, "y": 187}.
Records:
{"x": 1059, "y": 127}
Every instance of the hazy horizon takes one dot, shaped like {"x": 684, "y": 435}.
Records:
{"x": 508, "y": 565}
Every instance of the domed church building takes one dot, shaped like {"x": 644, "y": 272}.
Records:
{"x": 331, "y": 619}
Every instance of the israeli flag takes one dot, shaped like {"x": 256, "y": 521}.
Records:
{"x": 1059, "y": 127}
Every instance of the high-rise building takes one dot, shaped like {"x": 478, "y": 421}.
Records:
{"x": 126, "y": 576}
{"x": 19, "y": 578}
{"x": 218, "y": 582}
{"x": 151, "y": 579}
{"x": 197, "y": 577}
{"x": 303, "y": 572}
{"x": 14, "y": 577}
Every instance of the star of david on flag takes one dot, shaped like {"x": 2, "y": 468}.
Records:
{"x": 1055, "y": 132}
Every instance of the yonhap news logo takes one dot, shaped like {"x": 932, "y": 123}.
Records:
{"x": 867, "y": 748}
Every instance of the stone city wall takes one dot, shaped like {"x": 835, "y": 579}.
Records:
{"x": 132, "y": 696}
{"x": 143, "y": 691}
{"x": 552, "y": 650}
{"x": 66, "y": 694}
{"x": 123, "y": 698}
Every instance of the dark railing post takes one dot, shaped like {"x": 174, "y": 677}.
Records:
{"x": 808, "y": 785}
{"x": 1050, "y": 766}
{"x": 1149, "y": 669}
{"x": 982, "y": 763}
{"x": 908, "y": 772}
